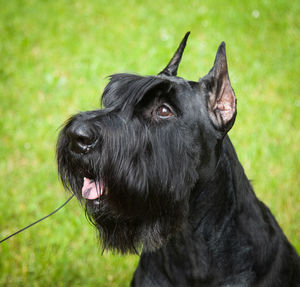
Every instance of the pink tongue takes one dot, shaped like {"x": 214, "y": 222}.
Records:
{"x": 92, "y": 189}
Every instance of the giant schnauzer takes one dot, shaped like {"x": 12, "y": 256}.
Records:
{"x": 155, "y": 169}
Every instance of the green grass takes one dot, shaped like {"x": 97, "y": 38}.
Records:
{"x": 54, "y": 57}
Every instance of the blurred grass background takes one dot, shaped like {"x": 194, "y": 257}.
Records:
{"x": 54, "y": 57}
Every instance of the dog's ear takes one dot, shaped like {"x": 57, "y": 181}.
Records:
{"x": 172, "y": 67}
{"x": 221, "y": 98}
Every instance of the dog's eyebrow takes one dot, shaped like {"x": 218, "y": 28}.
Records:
{"x": 125, "y": 90}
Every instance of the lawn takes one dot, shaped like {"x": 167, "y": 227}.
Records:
{"x": 54, "y": 60}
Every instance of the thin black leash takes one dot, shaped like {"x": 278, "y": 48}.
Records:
{"x": 37, "y": 220}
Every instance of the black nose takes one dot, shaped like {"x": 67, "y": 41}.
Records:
{"x": 82, "y": 138}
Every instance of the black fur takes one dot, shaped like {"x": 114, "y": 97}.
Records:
{"x": 173, "y": 184}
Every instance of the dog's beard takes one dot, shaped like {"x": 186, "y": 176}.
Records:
{"x": 126, "y": 233}
{"x": 127, "y": 220}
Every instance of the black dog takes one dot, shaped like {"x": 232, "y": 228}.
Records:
{"x": 155, "y": 168}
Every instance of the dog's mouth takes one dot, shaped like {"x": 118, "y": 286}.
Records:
{"x": 92, "y": 189}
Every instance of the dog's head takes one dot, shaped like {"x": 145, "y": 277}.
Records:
{"x": 135, "y": 163}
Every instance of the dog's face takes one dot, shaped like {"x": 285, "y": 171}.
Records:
{"x": 135, "y": 163}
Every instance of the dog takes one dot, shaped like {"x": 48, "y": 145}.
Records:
{"x": 156, "y": 171}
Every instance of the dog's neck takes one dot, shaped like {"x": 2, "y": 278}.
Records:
{"x": 222, "y": 196}
{"x": 208, "y": 233}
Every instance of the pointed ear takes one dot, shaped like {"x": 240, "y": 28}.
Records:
{"x": 172, "y": 67}
{"x": 221, "y": 100}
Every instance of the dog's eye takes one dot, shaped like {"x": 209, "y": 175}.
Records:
{"x": 164, "y": 112}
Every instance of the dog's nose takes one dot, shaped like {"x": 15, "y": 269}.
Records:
{"x": 82, "y": 138}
